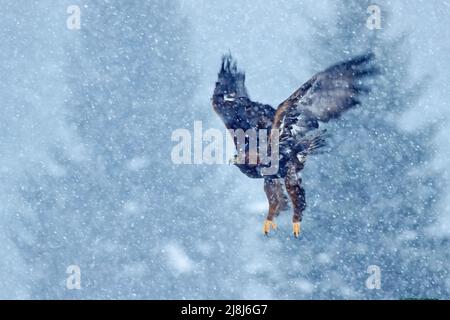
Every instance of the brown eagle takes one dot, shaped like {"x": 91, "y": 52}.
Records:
{"x": 296, "y": 121}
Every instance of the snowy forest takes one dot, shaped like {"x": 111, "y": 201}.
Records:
{"x": 87, "y": 178}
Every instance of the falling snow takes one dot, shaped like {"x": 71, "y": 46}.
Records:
{"x": 87, "y": 179}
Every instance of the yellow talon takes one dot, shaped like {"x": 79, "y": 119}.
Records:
{"x": 267, "y": 225}
{"x": 296, "y": 227}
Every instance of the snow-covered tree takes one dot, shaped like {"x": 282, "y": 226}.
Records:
{"x": 87, "y": 177}
{"x": 371, "y": 197}
{"x": 129, "y": 82}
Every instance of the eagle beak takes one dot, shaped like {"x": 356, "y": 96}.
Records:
{"x": 233, "y": 160}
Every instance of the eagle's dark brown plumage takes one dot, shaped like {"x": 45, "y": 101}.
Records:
{"x": 296, "y": 120}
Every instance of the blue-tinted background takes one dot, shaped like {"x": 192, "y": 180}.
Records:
{"x": 86, "y": 176}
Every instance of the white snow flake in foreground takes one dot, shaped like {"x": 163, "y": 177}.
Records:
{"x": 177, "y": 258}
{"x": 137, "y": 163}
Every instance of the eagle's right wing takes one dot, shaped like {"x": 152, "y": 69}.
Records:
{"x": 325, "y": 96}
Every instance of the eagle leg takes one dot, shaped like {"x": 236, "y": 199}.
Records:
{"x": 275, "y": 196}
{"x": 283, "y": 199}
{"x": 297, "y": 195}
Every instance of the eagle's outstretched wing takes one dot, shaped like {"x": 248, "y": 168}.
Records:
{"x": 325, "y": 96}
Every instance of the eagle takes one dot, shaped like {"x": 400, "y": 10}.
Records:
{"x": 293, "y": 126}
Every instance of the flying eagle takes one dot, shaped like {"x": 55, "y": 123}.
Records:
{"x": 296, "y": 120}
